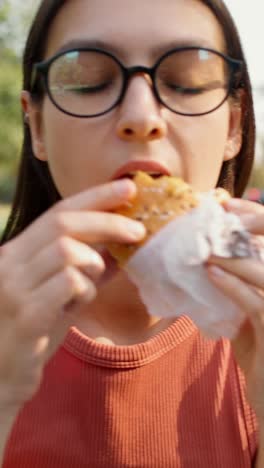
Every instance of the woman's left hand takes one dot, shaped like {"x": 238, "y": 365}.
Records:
{"x": 242, "y": 280}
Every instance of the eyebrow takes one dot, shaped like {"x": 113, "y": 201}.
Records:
{"x": 120, "y": 52}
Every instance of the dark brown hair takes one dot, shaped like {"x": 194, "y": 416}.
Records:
{"x": 36, "y": 192}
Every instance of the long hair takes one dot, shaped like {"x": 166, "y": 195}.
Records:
{"x": 235, "y": 173}
{"x": 35, "y": 190}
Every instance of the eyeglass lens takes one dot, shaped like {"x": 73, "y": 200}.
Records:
{"x": 193, "y": 81}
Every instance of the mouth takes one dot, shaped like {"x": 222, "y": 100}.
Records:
{"x": 152, "y": 168}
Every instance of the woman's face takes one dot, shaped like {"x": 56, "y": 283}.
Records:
{"x": 85, "y": 152}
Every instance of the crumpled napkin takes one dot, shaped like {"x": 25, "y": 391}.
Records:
{"x": 169, "y": 269}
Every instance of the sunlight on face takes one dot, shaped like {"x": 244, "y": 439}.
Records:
{"x": 84, "y": 152}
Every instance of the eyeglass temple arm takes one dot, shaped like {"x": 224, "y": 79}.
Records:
{"x": 37, "y": 68}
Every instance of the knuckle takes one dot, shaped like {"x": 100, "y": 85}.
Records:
{"x": 69, "y": 278}
{"x": 63, "y": 249}
{"x": 12, "y": 286}
{"x": 14, "y": 303}
{"x": 7, "y": 288}
{"x": 59, "y": 222}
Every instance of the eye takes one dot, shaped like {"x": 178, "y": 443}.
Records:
{"x": 195, "y": 90}
{"x": 85, "y": 89}
{"x": 182, "y": 90}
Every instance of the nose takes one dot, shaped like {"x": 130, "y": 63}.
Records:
{"x": 140, "y": 116}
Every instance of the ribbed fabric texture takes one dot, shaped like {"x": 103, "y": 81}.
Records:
{"x": 175, "y": 401}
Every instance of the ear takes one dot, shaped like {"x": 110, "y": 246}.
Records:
{"x": 32, "y": 117}
{"x": 234, "y": 139}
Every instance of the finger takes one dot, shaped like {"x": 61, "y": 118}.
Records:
{"x": 241, "y": 294}
{"x": 46, "y": 303}
{"x": 89, "y": 227}
{"x": 249, "y": 270}
{"x": 254, "y": 223}
{"x": 250, "y": 213}
{"x": 100, "y": 227}
{"x": 56, "y": 257}
{"x": 240, "y": 206}
{"x": 105, "y": 197}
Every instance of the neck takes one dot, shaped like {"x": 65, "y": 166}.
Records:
{"x": 118, "y": 316}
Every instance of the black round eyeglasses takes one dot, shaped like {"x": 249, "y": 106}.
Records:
{"x": 89, "y": 82}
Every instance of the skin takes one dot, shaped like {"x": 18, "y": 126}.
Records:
{"x": 55, "y": 261}
{"x": 242, "y": 281}
{"x": 101, "y": 145}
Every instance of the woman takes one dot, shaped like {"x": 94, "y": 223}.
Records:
{"x": 88, "y": 378}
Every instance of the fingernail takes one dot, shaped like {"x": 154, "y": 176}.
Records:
{"x": 136, "y": 230}
{"x": 95, "y": 258}
{"x": 215, "y": 271}
{"x": 235, "y": 203}
{"x": 125, "y": 187}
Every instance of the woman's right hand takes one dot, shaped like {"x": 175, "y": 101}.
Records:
{"x": 44, "y": 270}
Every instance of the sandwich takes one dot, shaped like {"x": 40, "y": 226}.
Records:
{"x": 157, "y": 202}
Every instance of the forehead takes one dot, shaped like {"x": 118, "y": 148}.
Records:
{"x": 135, "y": 27}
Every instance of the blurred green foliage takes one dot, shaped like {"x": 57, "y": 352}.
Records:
{"x": 257, "y": 177}
{"x": 10, "y": 118}
{"x": 10, "y": 114}
{"x": 4, "y": 213}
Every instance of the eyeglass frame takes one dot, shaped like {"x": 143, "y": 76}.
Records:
{"x": 43, "y": 67}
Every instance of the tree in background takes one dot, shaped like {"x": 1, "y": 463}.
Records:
{"x": 14, "y": 19}
{"x": 257, "y": 176}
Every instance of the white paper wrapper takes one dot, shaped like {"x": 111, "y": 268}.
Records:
{"x": 170, "y": 275}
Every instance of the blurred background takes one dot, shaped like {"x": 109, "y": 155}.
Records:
{"x": 15, "y": 17}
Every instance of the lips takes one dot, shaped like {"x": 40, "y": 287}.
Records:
{"x": 153, "y": 168}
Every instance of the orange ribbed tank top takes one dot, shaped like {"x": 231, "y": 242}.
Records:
{"x": 175, "y": 401}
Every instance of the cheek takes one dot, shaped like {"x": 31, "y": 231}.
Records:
{"x": 69, "y": 151}
{"x": 208, "y": 136}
